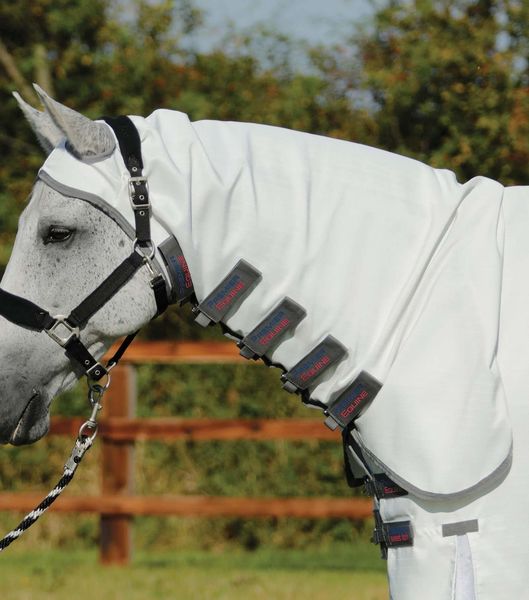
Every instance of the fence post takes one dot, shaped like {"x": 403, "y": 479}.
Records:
{"x": 117, "y": 468}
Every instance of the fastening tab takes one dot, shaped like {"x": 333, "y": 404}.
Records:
{"x": 381, "y": 486}
{"x": 310, "y": 368}
{"x": 272, "y": 329}
{"x": 352, "y": 401}
{"x": 228, "y": 294}
{"x": 394, "y": 534}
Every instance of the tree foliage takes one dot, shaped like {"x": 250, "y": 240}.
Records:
{"x": 98, "y": 63}
{"x": 448, "y": 83}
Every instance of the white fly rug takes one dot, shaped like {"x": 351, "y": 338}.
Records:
{"x": 404, "y": 266}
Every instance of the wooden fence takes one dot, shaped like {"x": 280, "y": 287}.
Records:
{"x": 118, "y": 430}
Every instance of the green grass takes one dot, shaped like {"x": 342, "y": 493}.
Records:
{"x": 340, "y": 571}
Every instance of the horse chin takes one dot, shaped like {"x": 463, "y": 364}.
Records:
{"x": 33, "y": 423}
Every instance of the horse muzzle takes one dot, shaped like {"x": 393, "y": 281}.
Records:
{"x": 33, "y": 423}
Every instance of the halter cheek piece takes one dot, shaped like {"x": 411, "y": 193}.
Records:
{"x": 65, "y": 330}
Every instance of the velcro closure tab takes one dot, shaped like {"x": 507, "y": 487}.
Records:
{"x": 352, "y": 401}
{"x": 394, "y": 534}
{"x": 310, "y": 368}
{"x": 229, "y": 294}
{"x": 381, "y": 486}
{"x": 398, "y": 534}
{"x": 284, "y": 318}
{"x": 181, "y": 283}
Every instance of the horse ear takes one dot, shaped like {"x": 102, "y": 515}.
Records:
{"x": 48, "y": 134}
{"x": 85, "y": 138}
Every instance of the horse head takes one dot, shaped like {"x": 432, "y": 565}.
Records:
{"x": 64, "y": 248}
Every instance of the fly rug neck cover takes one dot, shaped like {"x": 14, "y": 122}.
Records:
{"x": 363, "y": 273}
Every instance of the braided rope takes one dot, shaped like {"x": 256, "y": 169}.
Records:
{"x": 82, "y": 444}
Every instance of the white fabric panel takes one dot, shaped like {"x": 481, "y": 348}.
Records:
{"x": 464, "y": 570}
{"x": 396, "y": 260}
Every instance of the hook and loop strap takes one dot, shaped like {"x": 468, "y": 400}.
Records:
{"x": 386, "y": 534}
{"x": 284, "y": 318}
{"x": 228, "y": 294}
{"x": 352, "y": 401}
{"x": 311, "y": 367}
{"x": 182, "y": 289}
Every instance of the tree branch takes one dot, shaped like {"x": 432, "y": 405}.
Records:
{"x": 7, "y": 60}
{"x": 42, "y": 69}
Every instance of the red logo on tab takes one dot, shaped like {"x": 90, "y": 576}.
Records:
{"x": 271, "y": 334}
{"x": 361, "y": 396}
{"x": 185, "y": 269}
{"x": 318, "y": 366}
{"x": 230, "y": 295}
{"x": 399, "y": 537}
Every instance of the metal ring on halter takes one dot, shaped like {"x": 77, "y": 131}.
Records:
{"x": 140, "y": 249}
{"x": 92, "y": 425}
{"x": 109, "y": 368}
{"x": 95, "y": 386}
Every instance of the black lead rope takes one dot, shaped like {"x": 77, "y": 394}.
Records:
{"x": 81, "y": 446}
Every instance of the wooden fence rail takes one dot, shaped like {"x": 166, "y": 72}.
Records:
{"x": 118, "y": 430}
{"x": 127, "y": 430}
{"x": 198, "y": 506}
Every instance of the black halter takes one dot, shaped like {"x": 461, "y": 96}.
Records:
{"x": 65, "y": 330}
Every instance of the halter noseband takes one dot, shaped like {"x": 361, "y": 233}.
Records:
{"x": 65, "y": 330}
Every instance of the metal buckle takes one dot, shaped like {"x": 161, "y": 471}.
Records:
{"x": 132, "y": 193}
{"x": 56, "y": 337}
{"x": 150, "y": 247}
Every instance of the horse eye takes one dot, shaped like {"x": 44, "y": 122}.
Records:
{"x": 58, "y": 234}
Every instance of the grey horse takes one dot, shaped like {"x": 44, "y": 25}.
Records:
{"x": 411, "y": 293}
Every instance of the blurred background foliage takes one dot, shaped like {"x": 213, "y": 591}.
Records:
{"x": 444, "y": 81}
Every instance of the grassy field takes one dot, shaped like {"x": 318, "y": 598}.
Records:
{"x": 338, "y": 572}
